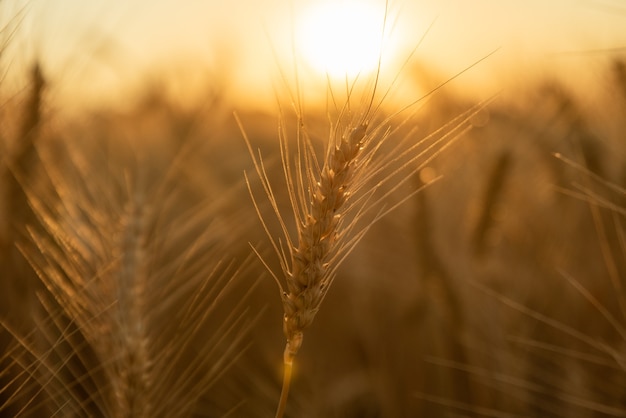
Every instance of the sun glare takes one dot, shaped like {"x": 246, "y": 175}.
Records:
{"x": 342, "y": 38}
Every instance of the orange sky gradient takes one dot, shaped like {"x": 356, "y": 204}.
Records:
{"x": 96, "y": 51}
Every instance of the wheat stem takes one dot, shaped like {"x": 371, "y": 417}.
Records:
{"x": 284, "y": 393}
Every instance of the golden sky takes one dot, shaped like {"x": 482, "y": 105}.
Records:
{"x": 97, "y": 47}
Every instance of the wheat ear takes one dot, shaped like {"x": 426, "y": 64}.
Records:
{"x": 334, "y": 204}
{"x": 135, "y": 295}
{"x": 310, "y": 266}
{"x": 310, "y": 275}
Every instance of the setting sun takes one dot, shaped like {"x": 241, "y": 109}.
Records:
{"x": 342, "y": 38}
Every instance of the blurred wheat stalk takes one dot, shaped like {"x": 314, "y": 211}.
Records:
{"x": 135, "y": 315}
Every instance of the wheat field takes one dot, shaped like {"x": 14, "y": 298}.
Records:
{"x": 449, "y": 256}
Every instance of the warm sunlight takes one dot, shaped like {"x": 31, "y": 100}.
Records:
{"x": 317, "y": 208}
{"x": 342, "y": 38}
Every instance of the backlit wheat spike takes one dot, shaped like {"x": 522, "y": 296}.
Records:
{"x": 320, "y": 198}
{"x": 334, "y": 203}
{"x": 319, "y": 231}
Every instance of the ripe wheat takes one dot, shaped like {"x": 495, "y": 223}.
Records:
{"x": 334, "y": 202}
{"x": 133, "y": 285}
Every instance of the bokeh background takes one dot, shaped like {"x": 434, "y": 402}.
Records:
{"x": 98, "y": 49}
{"x": 497, "y": 291}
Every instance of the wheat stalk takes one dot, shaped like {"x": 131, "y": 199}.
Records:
{"x": 135, "y": 321}
{"x": 334, "y": 202}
